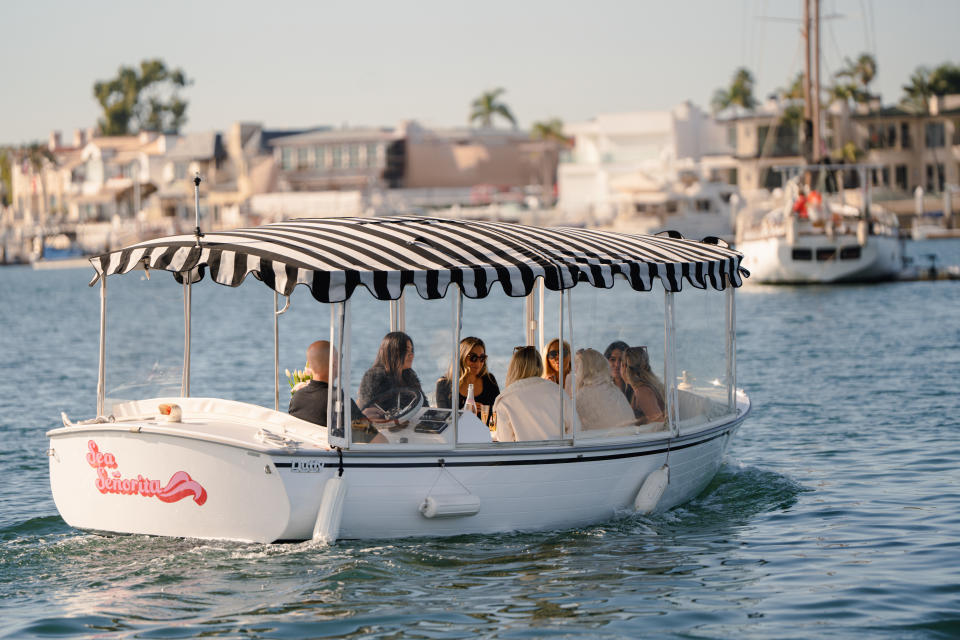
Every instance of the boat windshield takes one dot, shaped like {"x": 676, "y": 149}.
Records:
{"x": 704, "y": 375}
{"x": 625, "y": 327}
{"x": 144, "y": 354}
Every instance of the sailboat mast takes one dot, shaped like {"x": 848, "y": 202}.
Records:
{"x": 816, "y": 81}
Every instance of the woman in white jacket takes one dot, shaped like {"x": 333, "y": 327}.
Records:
{"x": 529, "y": 406}
{"x": 600, "y": 403}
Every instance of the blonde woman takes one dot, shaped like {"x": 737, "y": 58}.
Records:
{"x": 648, "y": 395}
{"x": 600, "y": 404}
{"x": 551, "y": 363}
{"x": 473, "y": 370}
{"x": 529, "y": 407}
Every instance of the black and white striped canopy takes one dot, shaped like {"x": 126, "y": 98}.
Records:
{"x": 333, "y": 256}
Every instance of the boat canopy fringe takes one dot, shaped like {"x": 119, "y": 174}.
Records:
{"x": 334, "y": 256}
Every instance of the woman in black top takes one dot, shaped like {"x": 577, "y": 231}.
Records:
{"x": 473, "y": 370}
{"x": 391, "y": 380}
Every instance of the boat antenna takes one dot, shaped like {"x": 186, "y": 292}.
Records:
{"x": 196, "y": 208}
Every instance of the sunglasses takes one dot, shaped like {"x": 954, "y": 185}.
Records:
{"x": 553, "y": 355}
{"x": 475, "y": 358}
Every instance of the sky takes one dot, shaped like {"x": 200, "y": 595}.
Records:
{"x": 375, "y": 63}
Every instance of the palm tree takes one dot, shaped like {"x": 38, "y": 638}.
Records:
{"x": 916, "y": 95}
{"x": 739, "y": 93}
{"x": 487, "y": 106}
{"x": 39, "y": 156}
{"x": 549, "y": 130}
{"x": 860, "y": 73}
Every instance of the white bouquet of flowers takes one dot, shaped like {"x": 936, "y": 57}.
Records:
{"x": 299, "y": 378}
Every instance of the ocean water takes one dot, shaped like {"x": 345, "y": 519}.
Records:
{"x": 835, "y": 515}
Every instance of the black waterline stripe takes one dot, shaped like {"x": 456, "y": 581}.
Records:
{"x": 506, "y": 463}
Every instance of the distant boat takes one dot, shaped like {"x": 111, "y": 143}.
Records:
{"x": 694, "y": 207}
{"x": 812, "y": 239}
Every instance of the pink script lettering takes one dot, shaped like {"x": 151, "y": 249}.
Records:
{"x": 180, "y": 485}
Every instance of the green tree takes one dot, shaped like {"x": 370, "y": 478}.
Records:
{"x": 861, "y": 72}
{"x": 549, "y": 130}
{"x": 487, "y": 106}
{"x": 142, "y": 99}
{"x": 6, "y": 176}
{"x": 925, "y": 82}
{"x": 740, "y": 92}
{"x": 916, "y": 94}
{"x": 945, "y": 79}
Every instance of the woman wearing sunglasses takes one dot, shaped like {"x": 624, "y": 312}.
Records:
{"x": 551, "y": 363}
{"x": 473, "y": 370}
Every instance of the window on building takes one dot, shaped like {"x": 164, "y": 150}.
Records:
{"x": 732, "y": 137}
{"x": 354, "y": 154}
{"x": 891, "y": 136}
{"x": 900, "y": 175}
{"x": 935, "y": 175}
{"x": 303, "y": 157}
{"x": 286, "y": 159}
{"x": 956, "y": 133}
{"x": 336, "y": 157}
{"x": 905, "y": 141}
{"x": 885, "y": 176}
{"x": 320, "y": 157}
{"x": 771, "y": 179}
{"x": 373, "y": 159}
{"x": 671, "y": 206}
{"x": 933, "y": 135}
{"x": 702, "y": 204}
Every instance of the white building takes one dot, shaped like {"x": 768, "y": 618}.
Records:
{"x": 649, "y": 147}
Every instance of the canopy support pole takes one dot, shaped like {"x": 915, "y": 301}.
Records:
{"x": 540, "y": 316}
{"x": 573, "y": 369}
{"x": 340, "y": 429}
{"x": 346, "y": 407}
{"x": 101, "y": 374}
{"x": 563, "y": 423}
{"x": 529, "y": 320}
{"x": 670, "y": 365}
{"x": 731, "y": 350}
{"x": 457, "y": 310}
{"x": 277, "y": 312}
{"x": 333, "y": 341}
{"x": 187, "y": 304}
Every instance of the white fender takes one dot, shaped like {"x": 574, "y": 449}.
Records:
{"x": 327, "y": 527}
{"x": 652, "y": 490}
{"x": 450, "y": 506}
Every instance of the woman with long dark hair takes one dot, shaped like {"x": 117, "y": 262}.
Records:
{"x": 391, "y": 382}
{"x": 648, "y": 394}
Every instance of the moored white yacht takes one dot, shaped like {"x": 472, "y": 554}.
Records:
{"x": 812, "y": 239}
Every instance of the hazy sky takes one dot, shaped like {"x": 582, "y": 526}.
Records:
{"x": 290, "y": 64}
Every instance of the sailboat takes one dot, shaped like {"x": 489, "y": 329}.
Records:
{"x": 817, "y": 235}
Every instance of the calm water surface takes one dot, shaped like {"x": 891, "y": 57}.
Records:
{"x": 837, "y": 513}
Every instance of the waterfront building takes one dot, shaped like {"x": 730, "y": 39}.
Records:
{"x": 377, "y": 170}
{"x": 626, "y": 162}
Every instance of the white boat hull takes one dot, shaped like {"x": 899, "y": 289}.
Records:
{"x": 771, "y": 259}
{"x": 240, "y": 488}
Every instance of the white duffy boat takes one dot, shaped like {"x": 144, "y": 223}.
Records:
{"x": 809, "y": 240}
{"x": 176, "y": 465}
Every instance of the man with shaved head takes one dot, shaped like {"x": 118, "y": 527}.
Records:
{"x": 309, "y": 401}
